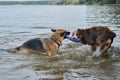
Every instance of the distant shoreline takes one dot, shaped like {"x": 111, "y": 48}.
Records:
{"x": 43, "y": 3}
{"x": 25, "y": 2}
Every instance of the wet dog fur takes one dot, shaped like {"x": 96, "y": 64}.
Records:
{"x": 99, "y": 38}
{"x": 47, "y": 46}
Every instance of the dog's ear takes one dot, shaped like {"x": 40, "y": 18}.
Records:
{"x": 53, "y": 30}
{"x": 78, "y": 29}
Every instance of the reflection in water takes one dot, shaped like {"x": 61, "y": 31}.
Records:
{"x": 73, "y": 62}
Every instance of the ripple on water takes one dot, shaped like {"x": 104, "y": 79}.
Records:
{"x": 60, "y": 66}
{"x": 71, "y": 56}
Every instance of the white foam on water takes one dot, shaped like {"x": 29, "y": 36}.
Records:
{"x": 97, "y": 52}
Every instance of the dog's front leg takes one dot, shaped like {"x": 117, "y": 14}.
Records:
{"x": 97, "y": 52}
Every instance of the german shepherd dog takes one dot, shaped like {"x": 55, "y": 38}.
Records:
{"x": 99, "y": 38}
{"x": 47, "y": 46}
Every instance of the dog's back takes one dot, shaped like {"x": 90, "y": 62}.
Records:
{"x": 34, "y": 44}
{"x": 103, "y": 32}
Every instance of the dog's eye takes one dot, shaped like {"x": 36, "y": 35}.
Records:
{"x": 65, "y": 33}
{"x": 77, "y": 34}
{"x": 62, "y": 34}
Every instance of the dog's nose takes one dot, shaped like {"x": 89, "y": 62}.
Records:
{"x": 67, "y": 33}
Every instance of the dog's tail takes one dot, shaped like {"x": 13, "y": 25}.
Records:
{"x": 11, "y": 50}
{"x": 17, "y": 48}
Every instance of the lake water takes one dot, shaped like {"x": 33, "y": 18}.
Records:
{"x": 19, "y": 23}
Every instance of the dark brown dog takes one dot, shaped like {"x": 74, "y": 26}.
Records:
{"x": 48, "y": 46}
{"x": 100, "y": 38}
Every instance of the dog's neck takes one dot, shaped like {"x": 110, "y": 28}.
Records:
{"x": 57, "y": 41}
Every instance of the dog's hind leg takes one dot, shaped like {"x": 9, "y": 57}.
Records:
{"x": 105, "y": 46}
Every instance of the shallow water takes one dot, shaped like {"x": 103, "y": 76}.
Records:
{"x": 19, "y": 23}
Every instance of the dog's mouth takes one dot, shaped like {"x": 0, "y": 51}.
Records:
{"x": 74, "y": 38}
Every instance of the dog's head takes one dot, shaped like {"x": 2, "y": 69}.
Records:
{"x": 60, "y": 33}
{"x": 77, "y": 34}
